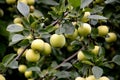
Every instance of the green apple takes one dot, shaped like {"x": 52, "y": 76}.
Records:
{"x": 112, "y": 37}
{"x": 103, "y": 78}
{"x": 19, "y": 24}
{"x": 57, "y": 40}
{"x": 47, "y": 49}
{"x": 32, "y": 56}
{"x": 102, "y": 30}
{"x": 84, "y": 29}
{"x": 22, "y": 68}
{"x": 31, "y": 79}
{"x": 19, "y": 50}
{"x": 81, "y": 56}
{"x": 72, "y": 36}
{"x": 79, "y": 78}
{"x": 28, "y": 74}
{"x": 90, "y": 77}
{"x": 1, "y": 12}
{"x": 17, "y": 20}
{"x": 10, "y": 1}
{"x": 2, "y": 77}
{"x": 95, "y": 50}
{"x": 38, "y": 44}
{"x": 30, "y": 2}
{"x": 98, "y": 1}
{"x": 85, "y": 17}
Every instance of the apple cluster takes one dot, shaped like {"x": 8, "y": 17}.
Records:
{"x": 92, "y": 77}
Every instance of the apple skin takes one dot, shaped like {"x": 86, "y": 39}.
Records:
{"x": 102, "y": 30}
{"x": 19, "y": 50}
{"x": 17, "y": 20}
{"x": 95, "y": 50}
{"x": 103, "y": 78}
{"x": 28, "y": 74}
{"x": 84, "y": 29}
{"x": 30, "y": 79}
{"x": 32, "y": 56}
{"x": 38, "y": 44}
{"x": 81, "y": 56}
{"x": 85, "y": 17}
{"x": 72, "y": 36}
{"x": 47, "y": 49}
{"x": 57, "y": 40}
{"x": 112, "y": 37}
{"x": 22, "y": 68}
{"x": 90, "y": 77}
{"x": 30, "y": 2}
{"x": 2, "y": 77}
{"x": 79, "y": 78}
{"x": 10, "y": 1}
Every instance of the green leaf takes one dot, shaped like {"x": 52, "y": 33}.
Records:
{"x": 116, "y": 59}
{"x": 7, "y": 59}
{"x": 14, "y": 28}
{"x": 110, "y": 1}
{"x": 17, "y": 38}
{"x": 13, "y": 64}
{"x": 60, "y": 30}
{"x": 48, "y": 2}
{"x": 97, "y": 71}
{"x": 36, "y": 69}
{"x": 66, "y": 64}
{"x": 74, "y": 3}
{"x": 85, "y": 3}
{"x": 62, "y": 74}
{"x": 96, "y": 17}
{"x": 23, "y": 8}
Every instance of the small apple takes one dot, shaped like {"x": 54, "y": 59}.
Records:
{"x": 28, "y": 74}
{"x": 57, "y": 40}
{"x": 17, "y": 20}
{"x": 19, "y": 24}
{"x": 38, "y": 44}
{"x": 31, "y": 79}
{"x": 19, "y": 50}
{"x": 32, "y": 8}
{"x": 85, "y": 17}
{"x": 95, "y": 50}
{"x": 2, "y": 77}
{"x": 79, "y": 78}
{"x": 1, "y": 12}
{"x": 103, "y": 78}
{"x": 10, "y": 1}
{"x": 84, "y": 29}
{"x": 102, "y": 30}
{"x": 98, "y": 1}
{"x": 22, "y": 68}
{"x": 32, "y": 56}
{"x": 72, "y": 36}
{"x": 111, "y": 37}
{"x": 30, "y": 2}
{"x": 47, "y": 49}
{"x": 91, "y": 77}
{"x": 81, "y": 56}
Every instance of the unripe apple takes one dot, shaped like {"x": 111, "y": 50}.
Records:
{"x": 47, "y": 49}
{"x": 10, "y": 1}
{"x": 72, "y": 36}
{"x": 91, "y": 77}
{"x": 38, "y": 44}
{"x": 32, "y": 8}
{"x": 104, "y": 78}
{"x": 30, "y": 2}
{"x": 1, "y": 12}
{"x": 2, "y": 77}
{"x": 19, "y": 24}
{"x": 31, "y": 79}
{"x": 85, "y": 17}
{"x": 57, "y": 40}
{"x": 32, "y": 56}
{"x": 84, "y": 29}
{"x": 98, "y": 1}
{"x": 79, "y": 78}
{"x": 19, "y": 50}
{"x": 23, "y": 1}
{"x": 81, "y": 56}
{"x": 95, "y": 50}
{"x": 17, "y": 20}
{"x": 28, "y": 74}
{"x": 111, "y": 37}
{"x": 22, "y": 68}
{"x": 102, "y": 30}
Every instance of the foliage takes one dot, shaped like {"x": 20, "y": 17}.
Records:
{"x": 47, "y": 17}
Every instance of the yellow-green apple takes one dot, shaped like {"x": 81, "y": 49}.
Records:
{"x": 79, "y": 78}
{"x": 28, "y": 74}
{"x": 10, "y": 1}
{"x": 30, "y": 2}
{"x": 90, "y": 77}
{"x": 38, "y": 44}
{"x": 102, "y": 30}
{"x": 112, "y": 37}
{"x": 103, "y": 78}
{"x": 85, "y": 17}
{"x": 57, "y": 40}
{"x": 84, "y": 29}
{"x": 81, "y": 56}
{"x": 95, "y": 50}
{"x": 32, "y": 56}
{"x": 2, "y": 77}
{"x": 22, "y": 68}
{"x": 47, "y": 49}
{"x": 17, "y": 20}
